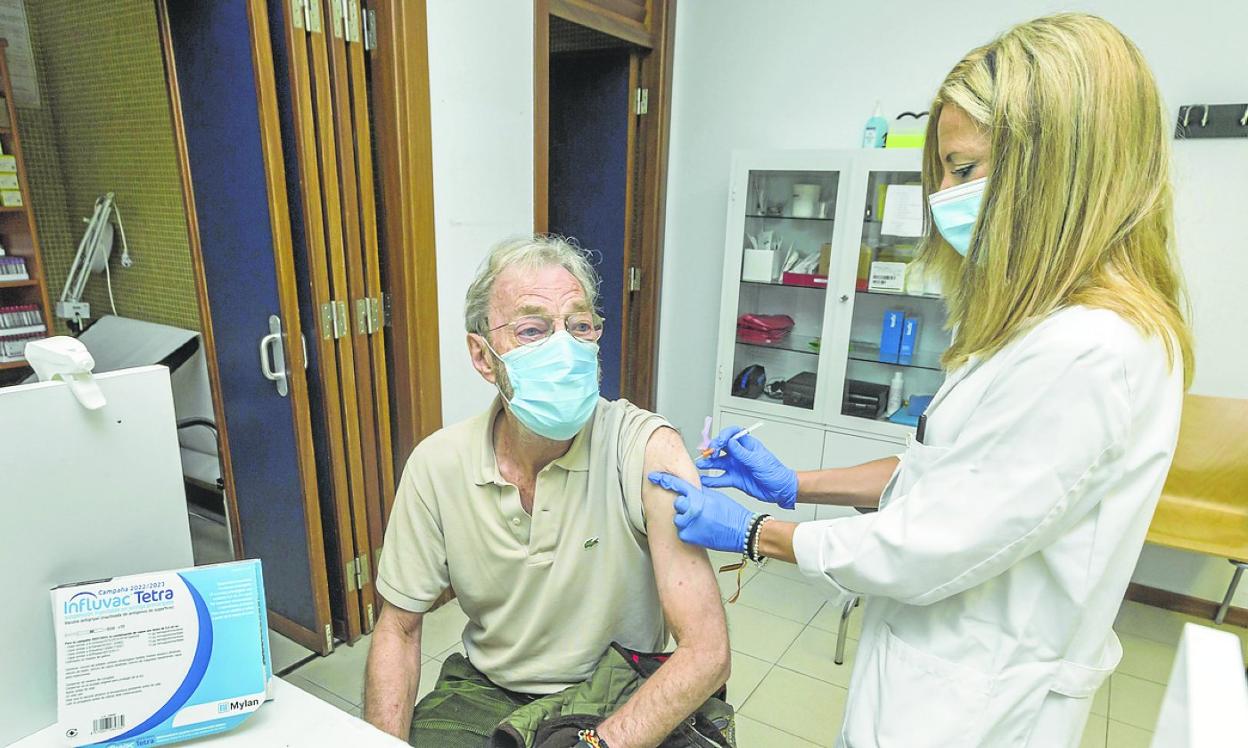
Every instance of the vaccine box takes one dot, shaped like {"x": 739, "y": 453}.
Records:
{"x": 890, "y": 335}
{"x": 909, "y": 339}
{"x": 158, "y": 658}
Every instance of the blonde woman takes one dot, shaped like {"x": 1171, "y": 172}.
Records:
{"x": 1008, "y": 530}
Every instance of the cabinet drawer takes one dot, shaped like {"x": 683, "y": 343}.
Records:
{"x": 846, "y": 450}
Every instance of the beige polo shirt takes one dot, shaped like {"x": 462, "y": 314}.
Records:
{"x": 546, "y": 594}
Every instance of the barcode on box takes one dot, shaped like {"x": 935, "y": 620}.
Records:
{"x": 111, "y": 722}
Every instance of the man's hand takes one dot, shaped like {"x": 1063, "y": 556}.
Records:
{"x": 691, "y": 604}
{"x": 392, "y": 676}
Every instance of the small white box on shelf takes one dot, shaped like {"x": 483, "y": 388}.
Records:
{"x": 11, "y": 198}
{"x": 759, "y": 266}
{"x": 887, "y": 276}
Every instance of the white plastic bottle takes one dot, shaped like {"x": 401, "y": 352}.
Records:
{"x": 894, "y": 393}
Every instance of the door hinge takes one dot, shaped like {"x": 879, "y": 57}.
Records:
{"x": 369, "y": 616}
{"x": 356, "y": 573}
{"x": 337, "y": 17}
{"x": 329, "y": 327}
{"x": 299, "y": 13}
{"x": 369, "y": 27}
{"x": 353, "y": 21}
{"x": 643, "y": 101}
{"x": 367, "y": 315}
{"x": 334, "y": 320}
{"x": 634, "y": 278}
{"x": 362, "y": 326}
{"x": 314, "y": 15}
{"x": 386, "y": 317}
{"x": 329, "y": 637}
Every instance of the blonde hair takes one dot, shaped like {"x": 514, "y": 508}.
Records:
{"x": 530, "y": 252}
{"x": 1078, "y": 207}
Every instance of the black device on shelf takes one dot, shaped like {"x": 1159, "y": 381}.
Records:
{"x": 749, "y": 382}
{"x": 799, "y": 390}
{"x": 864, "y": 399}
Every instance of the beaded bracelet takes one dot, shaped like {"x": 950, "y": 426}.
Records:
{"x": 752, "y": 543}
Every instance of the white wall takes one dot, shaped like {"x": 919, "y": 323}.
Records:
{"x": 481, "y": 90}
{"x": 806, "y": 74}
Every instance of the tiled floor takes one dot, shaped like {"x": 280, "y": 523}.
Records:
{"x": 785, "y": 686}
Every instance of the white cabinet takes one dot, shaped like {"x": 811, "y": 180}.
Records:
{"x": 801, "y": 447}
{"x": 801, "y": 325}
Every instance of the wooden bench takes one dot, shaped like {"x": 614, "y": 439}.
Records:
{"x": 1204, "y": 504}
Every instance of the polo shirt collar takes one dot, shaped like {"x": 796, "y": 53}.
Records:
{"x": 576, "y": 459}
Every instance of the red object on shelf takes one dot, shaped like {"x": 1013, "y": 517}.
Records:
{"x": 765, "y": 322}
{"x": 746, "y": 335}
{"x": 804, "y": 279}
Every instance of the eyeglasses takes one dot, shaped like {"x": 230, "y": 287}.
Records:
{"x": 536, "y": 328}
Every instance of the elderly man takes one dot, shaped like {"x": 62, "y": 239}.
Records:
{"x": 564, "y": 558}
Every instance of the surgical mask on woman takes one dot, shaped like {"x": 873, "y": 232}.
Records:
{"x": 955, "y": 210}
{"x": 554, "y": 384}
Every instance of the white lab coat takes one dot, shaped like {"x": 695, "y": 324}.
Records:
{"x": 998, "y": 560}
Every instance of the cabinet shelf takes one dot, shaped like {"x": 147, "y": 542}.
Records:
{"x": 897, "y": 295}
{"x": 19, "y": 283}
{"x": 18, "y": 364}
{"x": 778, "y": 217}
{"x": 13, "y": 332}
{"x": 782, "y": 285}
{"x": 869, "y": 353}
{"x": 792, "y": 343}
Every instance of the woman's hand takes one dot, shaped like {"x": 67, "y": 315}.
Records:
{"x": 706, "y": 518}
{"x": 750, "y": 467}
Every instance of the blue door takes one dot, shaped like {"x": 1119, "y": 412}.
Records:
{"x": 248, "y": 270}
{"x": 588, "y": 178}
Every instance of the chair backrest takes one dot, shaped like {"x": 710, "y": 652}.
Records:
{"x": 1211, "y": 459}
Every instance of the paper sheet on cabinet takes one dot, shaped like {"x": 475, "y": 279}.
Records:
{"x": 903, "y": 210}
{"x": 21, "y": 60}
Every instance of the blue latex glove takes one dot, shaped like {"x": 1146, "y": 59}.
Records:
{"x": 706, "y": 518}
{"x": 750, "y": 467}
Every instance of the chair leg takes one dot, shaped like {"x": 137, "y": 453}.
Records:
{"x": 842, "y": 629}
{"x": 1230, "y": 591}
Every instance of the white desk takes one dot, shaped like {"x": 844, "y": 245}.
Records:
{"x": 294, "y": 719}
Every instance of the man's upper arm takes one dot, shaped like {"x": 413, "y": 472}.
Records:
{"x": 413, "y": 569}
{"x": 687, "y": 588}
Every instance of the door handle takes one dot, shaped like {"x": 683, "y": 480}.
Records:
{"x": 273, "y": 356}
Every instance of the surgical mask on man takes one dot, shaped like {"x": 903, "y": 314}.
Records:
{"x": 955, "y": 210}
{"x": 554, "y": 384}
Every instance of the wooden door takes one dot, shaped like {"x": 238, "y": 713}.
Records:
{"x": 352, "y": 126}
{"x": 309, "y": 132}
{"x": 224, "y": 114}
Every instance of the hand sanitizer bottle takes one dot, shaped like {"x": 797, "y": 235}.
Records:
{"x": 894, "y": 393}
{"x": 875, "y": 130}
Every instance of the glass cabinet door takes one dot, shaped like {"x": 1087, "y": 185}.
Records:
{"x": 897, "y": 332}
{"x": 786, "y": 252}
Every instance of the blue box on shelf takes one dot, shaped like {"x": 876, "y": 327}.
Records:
{"x": 890, "y": 336}
{"x": 909, "y": 339}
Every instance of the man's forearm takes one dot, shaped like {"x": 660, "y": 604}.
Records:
{"x": 675, "y": 691}
{"x": 392, "y": 678}
{"x": 860, "y": 485}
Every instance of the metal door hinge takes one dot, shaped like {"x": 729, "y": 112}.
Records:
{"x": 329, "y": 637}
{"x": 361, "y": 317}
{"x": 334, "y": 321}
{"x": 369, "y": 616}
{"x": 299, "y": 13}
{"x": 634, "y": 279}
{"x": 353, "y": 21}
{"x": 370, "y": 29}
{"x": 643, "y": 101}
{"x": 337, "y": 17}
{"x": 386, "y": 316}
{"x": 328, "y": 326}
{"x": 314, "y": 15}
{"x": 367, "y": 315}
{"x": 356, "y": 573}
